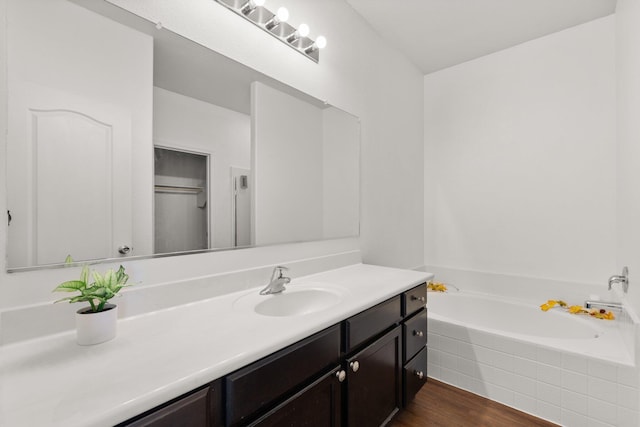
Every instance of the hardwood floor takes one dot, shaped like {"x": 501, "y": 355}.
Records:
{"x": 442, "y": 405}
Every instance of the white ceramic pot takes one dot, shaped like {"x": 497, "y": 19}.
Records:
{"x": 95, "y": 328}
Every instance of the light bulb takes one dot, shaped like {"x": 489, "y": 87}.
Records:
{"x": 250, "y": 6}
{"x": 321, "y": 42}
{"x": 303, "y": 30}
{"x": 282, "y": 14}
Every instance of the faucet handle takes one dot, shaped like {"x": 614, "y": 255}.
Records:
{"x": 278, "y": 272}
{"x": 622, "y": 279}
{"x": 280, "y": 269}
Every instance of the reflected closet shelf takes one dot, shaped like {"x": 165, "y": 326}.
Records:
{"x": 180, "y": 189}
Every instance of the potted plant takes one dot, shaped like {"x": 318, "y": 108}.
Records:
{"x": 96, "y": 323}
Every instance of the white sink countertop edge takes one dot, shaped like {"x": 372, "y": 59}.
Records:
{"x": 161, "y": 355}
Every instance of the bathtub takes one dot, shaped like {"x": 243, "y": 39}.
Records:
{"x": 511, "y": 318}
{"x": 551, "y": 364}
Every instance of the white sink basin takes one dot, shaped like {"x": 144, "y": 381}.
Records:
{"x": 291, "y": 302}
{"x": 295, "y": 303}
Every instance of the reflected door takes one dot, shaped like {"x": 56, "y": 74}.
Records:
{"x": 69, "y": 178}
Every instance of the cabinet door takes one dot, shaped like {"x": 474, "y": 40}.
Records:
{"x": 374, "y": 382}
{"x": 317, "y": 405}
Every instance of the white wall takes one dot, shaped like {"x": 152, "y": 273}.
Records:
{"x": 358, "y": 72}
{"x": 187, "y": 123}
{"x": 520, "y": 159}
{"x": 628, "y": 92}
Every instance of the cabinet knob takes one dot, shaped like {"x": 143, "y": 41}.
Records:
{"x": 341, "y": 375}
{"x": 355, "y": 365}
{"x": 418, "y": 333}
{"x": 418, "y": 374}
{"x": 415, "y": 298}
{"x": 124, "y": 249}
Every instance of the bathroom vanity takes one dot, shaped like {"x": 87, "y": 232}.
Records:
{"x": 219, "y": 362}
{"x": 358, "y": 372}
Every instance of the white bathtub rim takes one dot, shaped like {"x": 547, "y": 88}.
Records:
{"x": 609, "y": 346}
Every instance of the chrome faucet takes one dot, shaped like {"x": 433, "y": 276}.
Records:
{"x": 623, "y": 279}
{"x": 277, "y": 282}
{"x": 608, "y": 305}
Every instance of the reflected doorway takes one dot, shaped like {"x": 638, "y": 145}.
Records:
{"x": 181, "y": 215}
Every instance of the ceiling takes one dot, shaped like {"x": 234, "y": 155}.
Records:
{"x": 436, "y": 34}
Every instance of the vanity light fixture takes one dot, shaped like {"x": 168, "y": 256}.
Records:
{"x": 276, "y": 25}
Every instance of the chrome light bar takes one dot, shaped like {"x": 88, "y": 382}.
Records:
{"x": 276, "y": 25}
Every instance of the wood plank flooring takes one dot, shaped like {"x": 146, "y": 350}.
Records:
{"x": 441, "y": 405}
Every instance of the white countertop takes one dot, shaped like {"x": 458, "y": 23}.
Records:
{"x": 158, "y": 356}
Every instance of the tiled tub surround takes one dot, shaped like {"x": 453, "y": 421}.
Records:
{"x": 570, "y": 381}
{"x": 157, "y": 356}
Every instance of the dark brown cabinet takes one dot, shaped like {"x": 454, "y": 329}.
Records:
{"x": 357, "y": 373}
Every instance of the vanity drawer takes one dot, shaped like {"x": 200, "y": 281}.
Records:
{"x": 366, "y": 325}
{"x": 414, "y": 299}
{"x": 259, "y": 385}
{"x": 414, "y": 375}
{"x": 415, "y": 334}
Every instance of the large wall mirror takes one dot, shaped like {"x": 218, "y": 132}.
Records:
{"x": 125, "y": 139}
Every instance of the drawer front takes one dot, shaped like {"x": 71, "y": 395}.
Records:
{"x": 261, "y": 384}
{"x": 366, "y": 325}
{"x": 415, "y": 335}
{"x": 415, "y": 375}
{"x": 414, "y": 299}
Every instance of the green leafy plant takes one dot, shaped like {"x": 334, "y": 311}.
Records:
{"x": 102, "y": 289}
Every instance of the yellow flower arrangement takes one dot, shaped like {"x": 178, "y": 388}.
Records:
{"x": 436, "y": 286}
{"x": 578, "y": 309}
{"x": 552, "y": 303}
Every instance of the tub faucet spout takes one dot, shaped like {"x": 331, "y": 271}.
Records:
{"x": 608, "y": 305}
{"x": 623, "y": 279}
